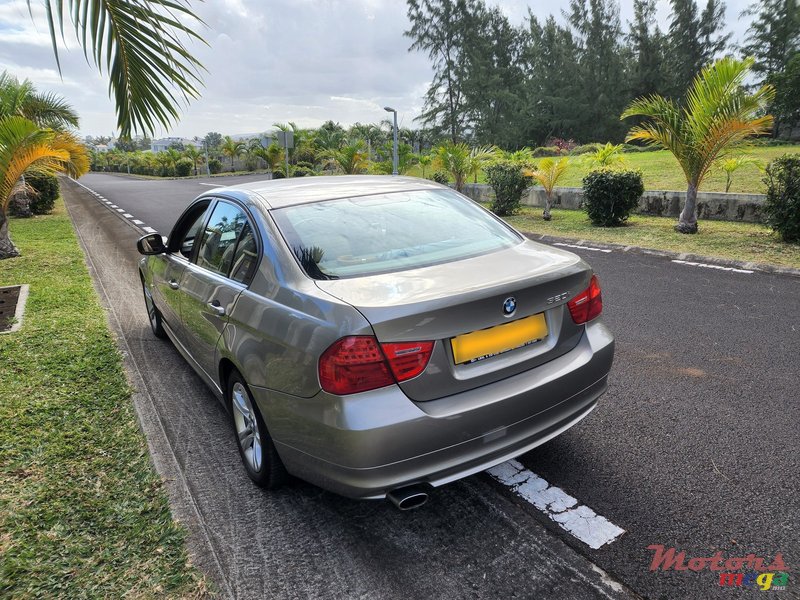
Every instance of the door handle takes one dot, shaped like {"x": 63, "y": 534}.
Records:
{"x": 214, "y": 306}
{"x": 173, "y": 284}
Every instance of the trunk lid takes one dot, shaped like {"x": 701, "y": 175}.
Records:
{"x": 444, "y": 301}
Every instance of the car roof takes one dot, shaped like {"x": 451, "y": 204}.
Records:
{"x": 277, "y": 193}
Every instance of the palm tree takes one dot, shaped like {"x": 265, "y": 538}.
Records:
{"x": 193, "y": 153}
{"x": 717, "y": 113}
{"x": 730, "y": 165}
{"x": 609, "y": 155}
{"x": 139, "y": 44}
{"x": 350, "y": 158}
{"x": 24, "y": 146}
{"x": 478, "y": 157}
{"x": 232, "y": 148}
{"x": 33, "y": 136}
{"x": 461, "y": 161}
{"x": 547, "y": 174}
{"x": 46, "y": 110}
{"x": 273, "y": 155}
{"x": 424, "y": 161}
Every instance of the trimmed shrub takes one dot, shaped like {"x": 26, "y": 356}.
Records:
{"x": 610, "y": 195}
{"x": 278, "y": 174}
{"x": 45, "y": 192}
{"x": 215, "y": 166}
{"x": 585, "y": 149}
{"x": 184, "y": 167}
{"x": 645, "y": 148}
{"x": 543, "y": 151}
{"x": 782, "y": 206}
{"x": 509, "y": 182}
{"x": 440, "y": 177}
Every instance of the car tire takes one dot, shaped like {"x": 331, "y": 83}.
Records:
{"x": 256, "y": 449}
{"x": 153, "y": 315}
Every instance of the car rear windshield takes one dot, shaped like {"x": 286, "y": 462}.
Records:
{"x": 367, "y": 235}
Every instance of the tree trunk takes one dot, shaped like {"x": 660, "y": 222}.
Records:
{"x": 546, "y": 213}
{"x": 7, "y": 247}
{"x": 687, "y": 222}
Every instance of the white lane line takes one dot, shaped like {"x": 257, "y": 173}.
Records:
{"x": 708, "y": 266}
{"x": 579, "y": 520}
{"x": 108, "y": 203}
{"x": 211, "y": 184}
{"x": 606, "y": 250}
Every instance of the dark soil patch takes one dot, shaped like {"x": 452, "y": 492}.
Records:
{"x": 8, "y": 306}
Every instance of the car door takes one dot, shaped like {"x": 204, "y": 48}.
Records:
{"x": 208, "y": 292}
{"x": 168, "y": 269}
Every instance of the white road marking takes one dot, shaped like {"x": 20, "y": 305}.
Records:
{"x": 708, "y": 266}
{"x": 121, "y": 210}
{"x": 212, "y": 184}
{"x": 579, "y": 520}
{"x": 606, "y": 250}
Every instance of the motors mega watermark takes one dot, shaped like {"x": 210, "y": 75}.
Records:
{"x": 750, "y": 571}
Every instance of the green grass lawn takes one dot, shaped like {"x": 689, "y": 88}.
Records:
{"x": 82, "y": 512}
{"x": 661, "y": 171}
{"x": 749, "y": 242}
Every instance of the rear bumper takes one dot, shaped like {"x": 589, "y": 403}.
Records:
{"x": 367, "y": 444}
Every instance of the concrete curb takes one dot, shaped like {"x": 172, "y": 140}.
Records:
{"x": 724, "y": 262}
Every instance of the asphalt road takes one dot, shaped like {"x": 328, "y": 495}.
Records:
{"x": 695, "y": 446}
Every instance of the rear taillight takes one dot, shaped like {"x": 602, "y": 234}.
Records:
{"x": 359, "y": 363}
{"x": 588, "y": 304}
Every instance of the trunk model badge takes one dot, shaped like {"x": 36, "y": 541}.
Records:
{"x": 509, "y": 306}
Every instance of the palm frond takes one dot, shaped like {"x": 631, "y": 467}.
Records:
{"x": 23, "y": 144}
{"x": 139, "y": 43}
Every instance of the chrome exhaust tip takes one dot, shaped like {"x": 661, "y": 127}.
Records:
{"x": 408, "y": 498}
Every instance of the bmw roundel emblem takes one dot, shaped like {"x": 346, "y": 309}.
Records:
{"x": 509, "y": 306}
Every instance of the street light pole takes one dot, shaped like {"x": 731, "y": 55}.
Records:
{"x": 395, "y": 160}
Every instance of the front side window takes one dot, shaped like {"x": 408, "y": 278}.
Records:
{"x": 187, "y": 229}
{"x": 353, "y": 237}
{"x": 218, "y": 244}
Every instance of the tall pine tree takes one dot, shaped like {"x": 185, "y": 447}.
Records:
{"x": 648, "y": 48}
{"x": 694, "y": 41}
{"x": 493, "y": 87}
{"x": 440, "y": 28}
{"x": 774, "y": 35}
{"x": 602, "y": 62}
{"x": 555, "y": 102}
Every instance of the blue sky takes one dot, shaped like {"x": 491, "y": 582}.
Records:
{"x": 286, "y": 60}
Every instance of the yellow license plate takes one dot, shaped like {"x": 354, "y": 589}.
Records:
{"x": 495, "y": 340}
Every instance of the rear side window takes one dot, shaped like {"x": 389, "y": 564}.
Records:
{"x": 218, "y": 245}
{"x": 353, "y": 237}
{"x": 245, "y": 257}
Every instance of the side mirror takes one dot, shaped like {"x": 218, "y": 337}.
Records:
{"x": 150, "y": 244}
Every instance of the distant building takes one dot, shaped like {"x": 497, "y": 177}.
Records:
{"x": 167, "y": 142}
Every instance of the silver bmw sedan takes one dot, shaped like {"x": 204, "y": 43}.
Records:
{"x": 377, "y": 336}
